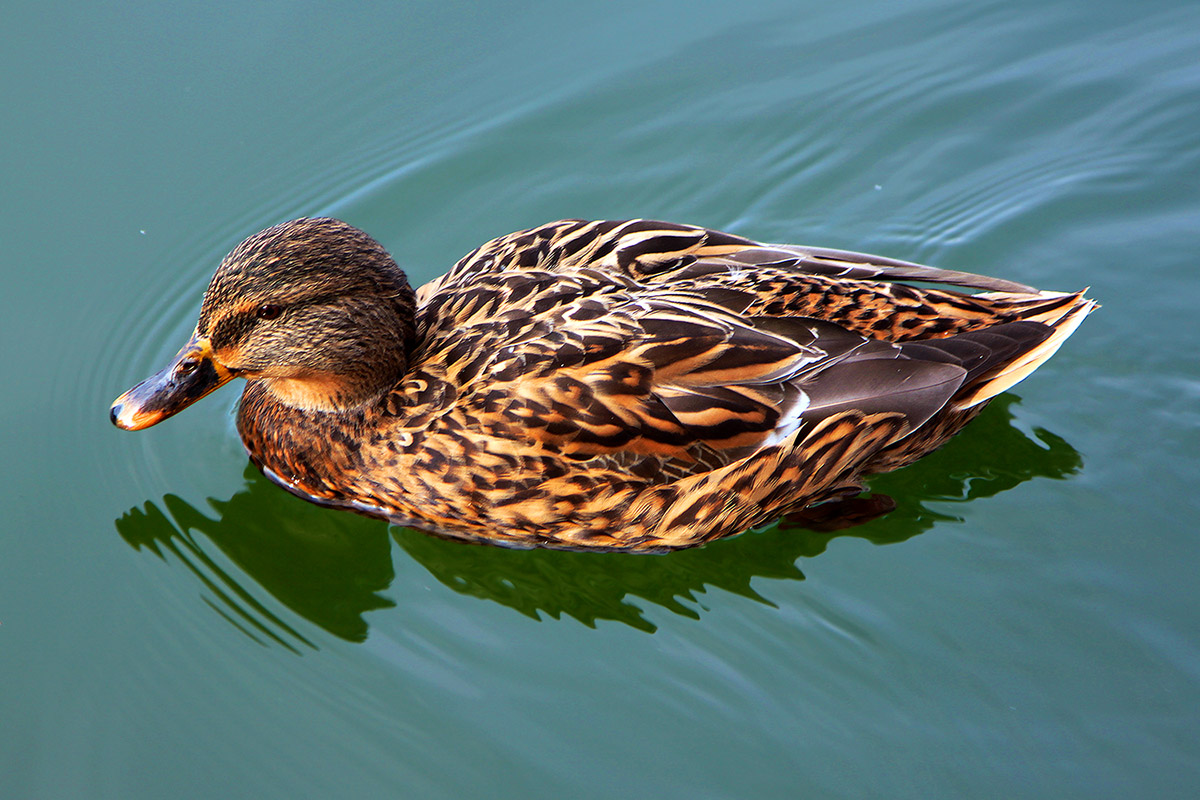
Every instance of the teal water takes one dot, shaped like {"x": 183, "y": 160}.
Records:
{"x": 1024, "y": 624}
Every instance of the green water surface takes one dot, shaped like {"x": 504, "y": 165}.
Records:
{"x": 1025, "y": 624}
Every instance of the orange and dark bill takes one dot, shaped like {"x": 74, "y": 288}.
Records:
{"x": 192, "y": 374}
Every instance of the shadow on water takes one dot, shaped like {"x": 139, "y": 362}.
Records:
{"x": 331, "y": 567}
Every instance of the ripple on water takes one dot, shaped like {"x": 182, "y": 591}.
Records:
{"x": 798, "y": 125}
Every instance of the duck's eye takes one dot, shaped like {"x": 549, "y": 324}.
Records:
{"x": 187, "y": 366}
{"x": 268, "y": 311}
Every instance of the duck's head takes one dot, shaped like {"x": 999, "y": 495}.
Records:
{"x": 314, "y": 308}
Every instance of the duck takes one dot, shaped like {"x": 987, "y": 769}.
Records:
{"x": 628, "y": 385}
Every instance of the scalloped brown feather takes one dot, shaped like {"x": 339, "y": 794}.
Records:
{"x": 646, "y": 386}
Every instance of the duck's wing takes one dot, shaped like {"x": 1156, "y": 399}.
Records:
{"x": 867, "y": 294}
{"x": 648, "y": 250}
{"x": 592, "y": 365}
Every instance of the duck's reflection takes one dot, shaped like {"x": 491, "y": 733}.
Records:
{"x": 331, "y": 567}
{"x": 326, "y": 566}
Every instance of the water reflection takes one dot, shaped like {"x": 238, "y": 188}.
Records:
{"x": 331, "y": 567}
{"x": 328, "y": 567}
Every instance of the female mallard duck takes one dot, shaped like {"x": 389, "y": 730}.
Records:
{"x": 611, "y": 385}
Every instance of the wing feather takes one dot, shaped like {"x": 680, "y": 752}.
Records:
{"x": 656, "y": 348}
{"x": 648, "y": 249}
{"x": 611, "y": 369}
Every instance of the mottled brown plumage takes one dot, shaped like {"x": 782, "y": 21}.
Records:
{"x": 617, "y": 385}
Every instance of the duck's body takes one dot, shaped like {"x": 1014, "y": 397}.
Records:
{"x": 623, "y": 385}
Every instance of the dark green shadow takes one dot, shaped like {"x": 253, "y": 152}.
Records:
{"x": 330, "y": 567}
{"x": 326, "y": 566}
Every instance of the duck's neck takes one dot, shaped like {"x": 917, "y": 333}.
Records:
{"x": 326, "y": 392}
{"x": 310, "y": 450}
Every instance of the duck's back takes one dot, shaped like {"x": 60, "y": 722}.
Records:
{"x": 643, "y": 354}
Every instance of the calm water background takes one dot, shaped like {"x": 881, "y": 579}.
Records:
{"x": 1026, "y": 624}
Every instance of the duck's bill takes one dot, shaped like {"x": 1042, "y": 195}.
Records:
{"x": 192, "y": 374}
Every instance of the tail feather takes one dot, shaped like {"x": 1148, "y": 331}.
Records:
{"x": 1000, "y": 356}
{"x": 1062, "y": 314}
{"x": 1018, "y": 369}
{"x": 1048, "y": 308}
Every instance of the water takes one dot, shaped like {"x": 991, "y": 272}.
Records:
{"x": 173, "y": 625}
